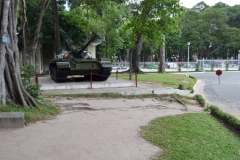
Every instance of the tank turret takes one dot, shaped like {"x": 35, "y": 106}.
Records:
{"x": 71, "y": 62}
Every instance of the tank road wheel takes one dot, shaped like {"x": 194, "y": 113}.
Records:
{"x": 52, "y": 73}
{"x": 60, "y": 75}
{"x": 87, "y": 77}
{"x": 103, "y": 76}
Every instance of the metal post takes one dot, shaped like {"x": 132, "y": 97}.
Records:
{"x": 203, "y": 65}
{"x": 238, "y": 59}
{"x": 117, "y": 74}
{"x": 91, "y": 80}
{"x": 36, "y": 78}
{"x": 136, "y": 78}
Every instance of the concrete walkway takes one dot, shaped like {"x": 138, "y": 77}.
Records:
{"x": 93, "y": 129}
{"x": 112, "y": 85}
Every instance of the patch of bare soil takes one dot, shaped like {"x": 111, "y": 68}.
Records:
{"x": 93, "y": 129}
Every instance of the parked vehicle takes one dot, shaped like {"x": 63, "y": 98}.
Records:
{"x": 152, "y": 67}
{"x": 116, "y": 67}
{"x": 123, "y": 67}
{"x": 207, "y": 66}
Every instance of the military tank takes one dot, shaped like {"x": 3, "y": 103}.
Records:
{"x": 72, "y": 62}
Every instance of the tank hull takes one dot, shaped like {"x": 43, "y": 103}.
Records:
{"x": 60, "y": 70}
{"x": 71, "y": 62}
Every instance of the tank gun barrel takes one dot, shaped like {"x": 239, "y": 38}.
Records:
{"x": 95, "y": 36}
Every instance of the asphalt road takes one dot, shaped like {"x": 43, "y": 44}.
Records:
{"x": 223, "y": 90}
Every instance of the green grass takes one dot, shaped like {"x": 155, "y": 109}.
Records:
{"x": 31, "y": 114}
{"x": 192, "y": 136}
{"x": 167, "y": 79}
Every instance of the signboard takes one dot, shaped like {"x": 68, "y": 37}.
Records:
{"x": 218, "y": 72}
{"x": 5, "y": 39}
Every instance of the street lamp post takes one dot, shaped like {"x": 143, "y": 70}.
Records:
{"x": 238, "y": 59}
{"x": 188, "y": 59}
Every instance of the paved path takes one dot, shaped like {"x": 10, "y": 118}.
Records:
{"x": 224, "y": 94}
{"x": 107, "y": 131}
{"x": 99, "y": 134}
{"x": 112, "y": 85}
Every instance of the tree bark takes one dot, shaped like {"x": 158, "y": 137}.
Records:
{"x": 162, "y": 57}
{"x": 130, "y": 65}
{"x": 136, "y": 54}
{"x": 25, "y": 33}
{"x": 56, "y": 27}
{"x": 31, "y": 44}
{"x": 11, "y": 88}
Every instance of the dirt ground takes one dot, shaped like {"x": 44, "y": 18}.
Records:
{"x": 91, "y": 129}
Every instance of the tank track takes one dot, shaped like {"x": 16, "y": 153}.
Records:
{"x": 101, "y": 76}
{"x": 59, "y": 74}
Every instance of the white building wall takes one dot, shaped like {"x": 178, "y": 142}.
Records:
{"x": 92, "y": 50}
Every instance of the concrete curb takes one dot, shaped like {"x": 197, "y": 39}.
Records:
{"x": 12, "y": 120}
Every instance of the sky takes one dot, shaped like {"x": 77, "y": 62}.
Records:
{"x": 191, "y": 3}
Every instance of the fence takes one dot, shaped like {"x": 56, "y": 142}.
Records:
{"x": 218, "y": 64}
{"x": 204, "y": 64}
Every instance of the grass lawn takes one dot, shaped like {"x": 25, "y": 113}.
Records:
{"x": 33, "y": 114}
{"x": 166, "y": 79}
{"x": 192, "y": 136}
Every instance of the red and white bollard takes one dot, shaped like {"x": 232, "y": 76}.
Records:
{"x": 36, "y": 78}
{"x": 117, "y": 74}
{"x": 136, "y": 78}
{"x": 91, "y": 80}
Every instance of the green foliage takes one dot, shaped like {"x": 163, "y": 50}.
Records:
{"x": 212, "y": 66}
{"x": 179, "y": 67}
{"x": 201, "y": 100}
{"x": 28, "y": 81}
{"x": 167, "y": 79}
{"x": 211, "y": 30}
{"x": 150, "y": 20}
{"x": 197, "y": 67}
{"x": 33, "y": 114}
{"x": 227, "y": 66}
{"x": 107, "y": 19}
{"x": 192, "y": 136}
{"x": 225, "y": 117}
{"x": 233, "y": 13}
{"x": 206, "y": 30}
{"x": 72, "y": 27}
{"x": 192, "y": 83}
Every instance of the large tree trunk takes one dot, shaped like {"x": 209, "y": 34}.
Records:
{"x": 11, "y": 87}
{"x": 25, "y": 33}
{"x": 31, "y": 44}
{"x": 136, "y": 54}
{"x": 56, "y": 27}
{"x": 162, "y": 57}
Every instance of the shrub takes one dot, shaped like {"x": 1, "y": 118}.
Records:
{"x": 179, "y": 67}
{"x": 212, "y": 66}
{"x": 201, "y": 100}
{"x": 28, "y": 80}
{"x": 197, "y": 67}
{"x": 227, "y": 66}
{"x": 225, "y": 117}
